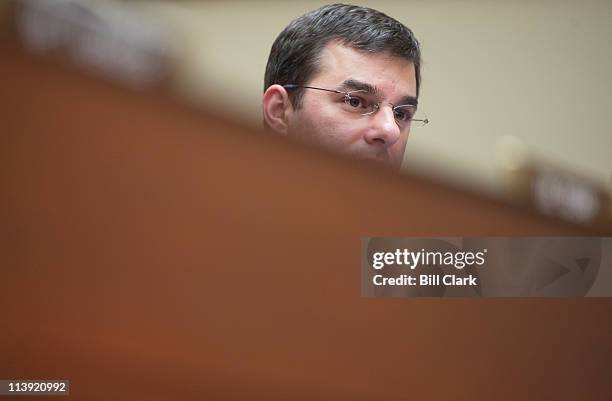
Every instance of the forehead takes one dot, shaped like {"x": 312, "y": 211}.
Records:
{"x": 394, "y": 76}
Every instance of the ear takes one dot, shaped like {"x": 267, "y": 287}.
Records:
{"x": 277, "y": 109}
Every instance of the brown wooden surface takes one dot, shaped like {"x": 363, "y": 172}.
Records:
{"x": 150, "y": 252}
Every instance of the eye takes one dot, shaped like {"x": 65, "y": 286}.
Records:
{"x": 360, "y": 103}
{"x": 355, "y": 102}
{"x": 400, "y": 115}
{"x": 403, "y": 113}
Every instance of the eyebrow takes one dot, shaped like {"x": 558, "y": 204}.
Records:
{"x": 408, "y": 100}
{"x": 355, "y": 85}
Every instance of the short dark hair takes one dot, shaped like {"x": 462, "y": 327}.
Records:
{"x": 295, "y": 53}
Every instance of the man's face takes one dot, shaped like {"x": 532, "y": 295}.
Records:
{"x": 326, "y": 119}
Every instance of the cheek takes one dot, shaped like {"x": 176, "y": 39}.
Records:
{"x": 333, "y": 132}
{"x": 319, "y": 112}
{"x": 399, "y": 147}
{"x": 320, "y": 123}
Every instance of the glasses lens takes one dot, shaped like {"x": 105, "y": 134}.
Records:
{"x": 404, "y": 114}
{"x": 360, "y": 102}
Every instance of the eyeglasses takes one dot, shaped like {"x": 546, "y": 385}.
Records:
{"x": 365, "y": 103}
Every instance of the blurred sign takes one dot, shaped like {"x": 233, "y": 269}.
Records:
{"x": 551, "y": 189}
{"x": 107, "y": 37}
{"x": 560, "y": 193}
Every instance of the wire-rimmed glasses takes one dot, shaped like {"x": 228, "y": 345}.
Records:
{"x": 365, "y": 103}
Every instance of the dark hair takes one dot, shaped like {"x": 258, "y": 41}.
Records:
{"x": 295, "y": 54}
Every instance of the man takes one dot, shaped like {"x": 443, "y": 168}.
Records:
{"x": 345, "y": 77}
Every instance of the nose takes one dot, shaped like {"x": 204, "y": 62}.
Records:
{"x": 383, "y": 131}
